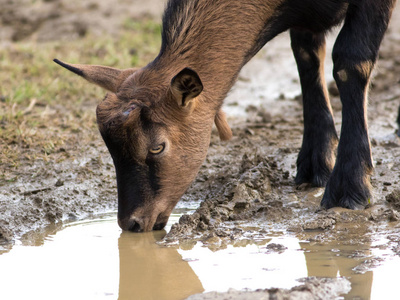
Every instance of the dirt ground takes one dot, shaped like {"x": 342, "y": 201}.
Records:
{"x": 245, "y": 188}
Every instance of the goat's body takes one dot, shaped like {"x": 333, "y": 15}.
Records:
{"x": 218, "y": 38}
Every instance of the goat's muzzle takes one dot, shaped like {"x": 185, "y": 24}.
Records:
{"x": 143, "y": 223}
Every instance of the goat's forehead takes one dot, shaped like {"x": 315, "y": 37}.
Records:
{"x": 117, "y": 102}
{"x": 147, "y": 87}
{"x": 127, "y": 112}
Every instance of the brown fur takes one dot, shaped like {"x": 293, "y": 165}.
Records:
{"x": 197, "y": 36}
{"x": 225, "y": 132}
{"x": 172, "y": 103}
{"x": 202, "y": 43}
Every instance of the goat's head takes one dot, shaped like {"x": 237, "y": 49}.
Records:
{"x": 157, "y": 131}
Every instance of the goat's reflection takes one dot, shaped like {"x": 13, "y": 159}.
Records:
{"x": 323, "y": 262}
{"x": 148, "y": 271}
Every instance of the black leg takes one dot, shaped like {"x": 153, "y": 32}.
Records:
{"x": 317, "y": 155}
{"x": 354, "y": 55}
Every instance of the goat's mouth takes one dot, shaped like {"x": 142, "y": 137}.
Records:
{"x": 135, "y": 224}
{"x": 129, "y": 225}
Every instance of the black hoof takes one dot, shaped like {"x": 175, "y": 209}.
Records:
{"x": 315, "y": 172}
{"x": 349, "y": 195}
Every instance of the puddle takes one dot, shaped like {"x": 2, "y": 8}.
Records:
{"x": 92, "y": 259}
{"x": 282, "y": 261}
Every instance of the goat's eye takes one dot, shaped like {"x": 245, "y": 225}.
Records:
{"x": 128, "y": 111}
{"x": 158, "y": 149}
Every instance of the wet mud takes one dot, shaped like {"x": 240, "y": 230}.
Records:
{"x": 67, "y": 191}
{"x": 53, "y": 20}
{"x": 245, "y": 189}
{"x": 313, "y": 288}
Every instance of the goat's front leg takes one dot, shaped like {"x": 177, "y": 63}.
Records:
{"x": 354, "y": 55}
{"x": 317, "y": 155}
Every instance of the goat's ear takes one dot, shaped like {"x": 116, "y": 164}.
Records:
{"x": 185, "y": 86}
{"x": 224, "y": 131}
{"x": 105, "y": 77}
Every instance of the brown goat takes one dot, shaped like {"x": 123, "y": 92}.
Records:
{"x": 156, "y": 121}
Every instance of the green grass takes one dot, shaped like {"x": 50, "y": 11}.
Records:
{"x": 46, "y": 110}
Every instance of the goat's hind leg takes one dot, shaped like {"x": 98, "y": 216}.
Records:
{"x": 354, "y": 55}
{"x": 317, "y": 155}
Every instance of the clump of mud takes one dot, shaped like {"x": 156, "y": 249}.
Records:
{"x": 244, "y": 200}
{"x": 394, "y": 199}
{"x": 312, "y": 288}
{"x": 244, "y": 194}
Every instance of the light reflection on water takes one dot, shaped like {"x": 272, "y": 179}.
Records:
{"x": 94, "y": 260}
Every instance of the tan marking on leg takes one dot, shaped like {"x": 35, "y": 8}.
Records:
{"x": 342, "y": 75}
{"x": 304, "y": 55}
{"x": 365, "y": 68}
{"x": 321, "y": 53}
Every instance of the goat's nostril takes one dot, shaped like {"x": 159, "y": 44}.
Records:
{"x": 159, "y": 226}
{"x": 134, "y": 227}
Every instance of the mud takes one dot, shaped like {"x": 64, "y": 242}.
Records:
{"x": 245, "y": 188}
{"x": 313, "y": 288}
{"x": 50, "y": 20}
{"x": 65, "y": 191}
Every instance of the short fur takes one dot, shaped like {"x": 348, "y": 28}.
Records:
{"x": 172, "y": 103}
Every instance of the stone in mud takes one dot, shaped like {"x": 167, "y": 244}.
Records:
{"x": 242, "y": 196}
{"x": 394, "y": 199}
{"x": 5, "y": 233}
{"x": 189, "y": 220}
{"x": 394, "y": 216}
{"x": 202, "y": 226}
{"x": 59, "y": 183}
{"x": 221, "y": 213}
{"x": 273, "y": 247}
{"x": 221, "y": 232}
{"x": 321, "y": 222}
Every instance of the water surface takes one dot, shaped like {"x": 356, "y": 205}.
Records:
{"x": 93, "y": 259}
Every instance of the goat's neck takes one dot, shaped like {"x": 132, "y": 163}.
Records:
{"x": 214, "y": 38}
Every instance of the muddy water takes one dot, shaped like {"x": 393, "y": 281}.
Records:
{"x": 93, "y": 260}
{"x": 367, "y": 282}
{"x": 282, "y": 261}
